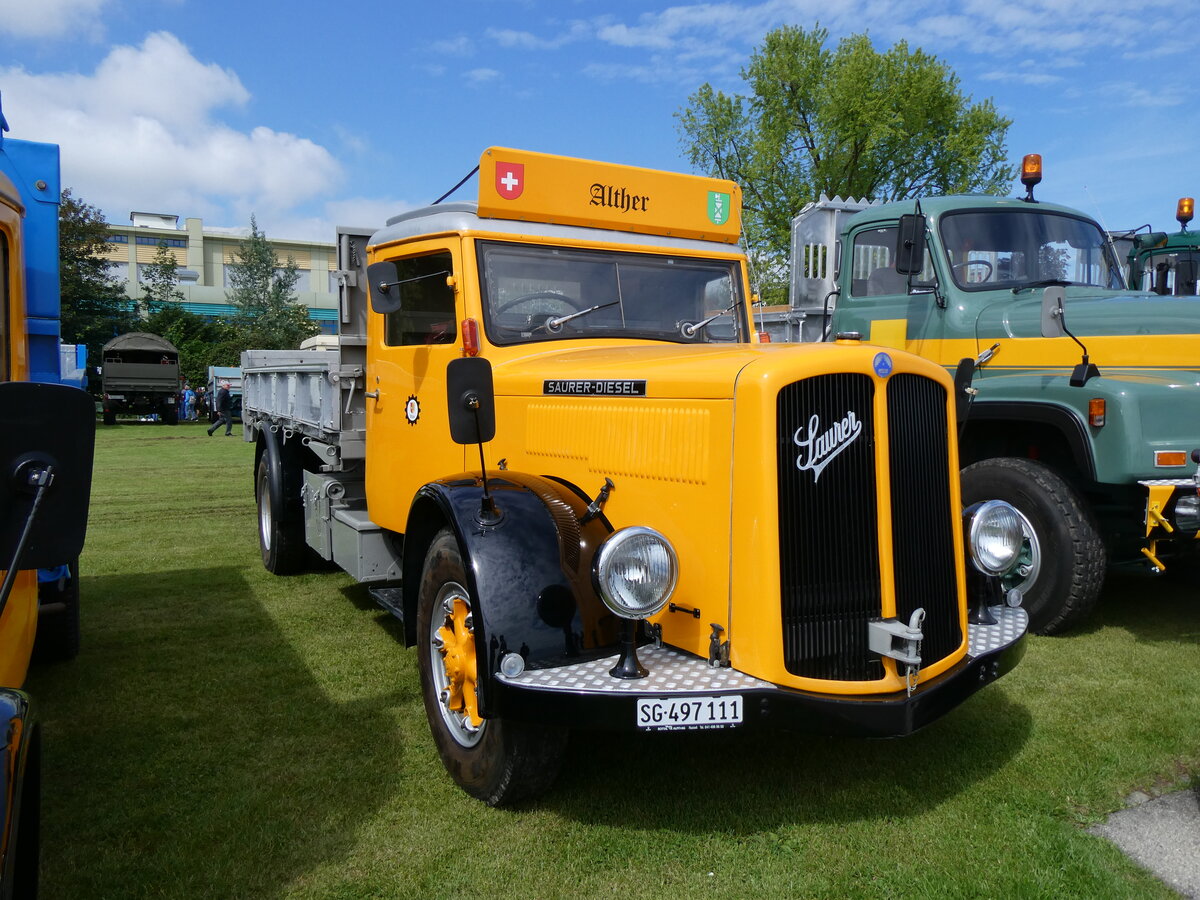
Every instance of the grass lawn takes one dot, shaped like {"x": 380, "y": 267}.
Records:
{"x": 227, "y": 733}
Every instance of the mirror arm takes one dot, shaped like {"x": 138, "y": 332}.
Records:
{"x": 39, "y": 479}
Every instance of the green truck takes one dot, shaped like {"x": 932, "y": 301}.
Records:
{"x": 1079, "y": 398}
{"x": 1167, "y": 264}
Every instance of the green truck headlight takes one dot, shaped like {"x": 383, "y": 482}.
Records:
{"x": 994, "y": 536}
{"x": 635, "y": 572}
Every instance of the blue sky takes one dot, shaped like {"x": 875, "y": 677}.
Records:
{"x": 311, "y": 115}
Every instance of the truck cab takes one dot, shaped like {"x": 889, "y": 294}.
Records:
{"x": 1167, "y": 264}
{"x": 1080, "y": 398}
{"x": 551, "y": 442}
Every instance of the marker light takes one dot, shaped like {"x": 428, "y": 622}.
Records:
{"x": 1031, "y": 169}
{"x": 470, "y": 333}
{"x": 1184, "y": 210}
{"x": 635, "y": 572}
{"x": 1169, "y": 458}
{"x": 994, "y": 537}
{"x": 1096, "y": 409}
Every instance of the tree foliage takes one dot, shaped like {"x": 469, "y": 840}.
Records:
{"x": 95, "y": 308}
{"x": 850, "y": 121}
{"x": 268, "y": 317}
{"x": 159, "y": 281}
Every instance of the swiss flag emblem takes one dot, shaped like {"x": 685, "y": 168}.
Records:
{"x": 510, "y": 179}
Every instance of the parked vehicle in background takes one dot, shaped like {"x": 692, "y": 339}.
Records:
{"x": 47, "y": 431}
{"x": 1083, "y": 397}
{"x": 1167, "y": 264}
{"x": 550, "y": 442}
{"x": 217, "y": 375}
{"x": 140, "y": 373}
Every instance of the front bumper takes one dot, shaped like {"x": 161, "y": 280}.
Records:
{"x": 584, "y": 695}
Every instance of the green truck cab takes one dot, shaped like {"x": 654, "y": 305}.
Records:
{"x": 1079, "y": 399}
{"x": 1167, "y": 264}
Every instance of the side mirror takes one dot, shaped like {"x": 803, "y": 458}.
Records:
{"x": 382, "y": 280}
{"x": 910, "y": 245}
{"x": 470, "y": 400}
{"x": 1052, "y": 312}
{"x": 1146, "y": 241}
{"x": 45, "y": 426}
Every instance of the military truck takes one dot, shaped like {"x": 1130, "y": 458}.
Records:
{"x": 140, "y": 373}
{"x": 550, "y": 443}
{"x": 1167, "y": 264}
{"x": 1081, "y": 397}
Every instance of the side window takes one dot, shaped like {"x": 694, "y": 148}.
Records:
{"x": 426, "y": 314}
{"x": 873, "y": 266}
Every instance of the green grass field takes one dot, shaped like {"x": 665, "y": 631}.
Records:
{"x": 227, "y": 733}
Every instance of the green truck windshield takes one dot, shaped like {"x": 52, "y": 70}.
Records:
{"x": 991, "y": 249}
{"x": 533, "y": 293}
{"x": 1171, "y": 272}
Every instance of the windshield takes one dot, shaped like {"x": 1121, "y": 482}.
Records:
{"x": 1026, "y": 248}
{"x": 538, "y": 293}
{"x": 1171, "y": 272}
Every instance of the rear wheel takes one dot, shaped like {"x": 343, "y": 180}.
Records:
{"x": 280, "y": 514}
{"x": 494, "y": 760}
{"x": 1063, "y": 559}
{"x": 57, "y": 637}
{"x": 110, "y": 417}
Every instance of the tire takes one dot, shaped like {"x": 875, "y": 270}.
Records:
{"x": 110, "y": 417}
{"x": 494, "y": 760}
{"x": 1064, "y": 560}
{"x": 170, "y": 415}
{"x": 280, "y": 515}
{"x": 26, "y": 854}
{"x": 58, "y": 633}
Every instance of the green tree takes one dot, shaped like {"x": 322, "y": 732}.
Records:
{"x": 268, "y": 317}
{"x": 850, "y": 121}
{"x": 95, "y": 308}
{"x": 201, "y": 342}
{"x": 159, "y": 281}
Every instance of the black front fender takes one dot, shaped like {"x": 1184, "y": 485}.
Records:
{"x": 529, "y": 571}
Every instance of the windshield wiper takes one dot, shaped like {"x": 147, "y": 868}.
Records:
{"x": 687, "y": 329}
{"x": 1048, "y": 282}
{"x": 555, "y": 325}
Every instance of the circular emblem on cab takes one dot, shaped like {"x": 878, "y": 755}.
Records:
{"x": 412, "y": 410}
{"x": 883, "y": 365}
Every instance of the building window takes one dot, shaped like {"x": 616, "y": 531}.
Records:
{"x": 155, "y": 241}
{"x": 118, "y": 239}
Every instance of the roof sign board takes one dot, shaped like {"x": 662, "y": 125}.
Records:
{"x": 538, "y": 187}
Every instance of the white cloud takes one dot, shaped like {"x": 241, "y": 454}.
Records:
{"x": 50, "y": 18}
{"x": 481, "y": 76}
{"x": 131, "y": 139}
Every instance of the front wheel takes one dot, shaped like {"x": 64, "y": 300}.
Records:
{"x": 1061, "y": 570}
{"x": 494, "y": 760}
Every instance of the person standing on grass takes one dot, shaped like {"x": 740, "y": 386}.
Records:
{"x": 223, "y": 409}
{"x": 187, "y": 402}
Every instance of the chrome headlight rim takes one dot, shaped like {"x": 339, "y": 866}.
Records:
{"x": 609, "y": 555}
{"x": 987, "y": 513}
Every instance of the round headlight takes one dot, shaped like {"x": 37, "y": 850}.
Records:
{"x": 994, "y": 537}
{"x": 635, "y": 572}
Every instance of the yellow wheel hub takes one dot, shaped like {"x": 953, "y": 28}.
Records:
{"x": 458, "y": 657}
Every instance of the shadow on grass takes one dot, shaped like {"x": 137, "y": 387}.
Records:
{"x": 1153, "y": 608}
{"x": 731, "y": 783}
{"x": 190, "y": 752}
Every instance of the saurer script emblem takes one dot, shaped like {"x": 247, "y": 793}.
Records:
{"x": 818, "y": 448}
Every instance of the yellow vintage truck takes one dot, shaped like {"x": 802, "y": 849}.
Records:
{"x": 552, "y": 444}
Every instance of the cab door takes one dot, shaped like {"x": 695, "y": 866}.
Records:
{"x": 879, "y": 304}
{"x": 408, "y": 435}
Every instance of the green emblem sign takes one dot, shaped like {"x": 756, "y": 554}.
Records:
{"x": 718, "y": 207}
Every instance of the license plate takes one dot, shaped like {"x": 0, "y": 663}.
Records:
{"x": 684, "y": 713}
